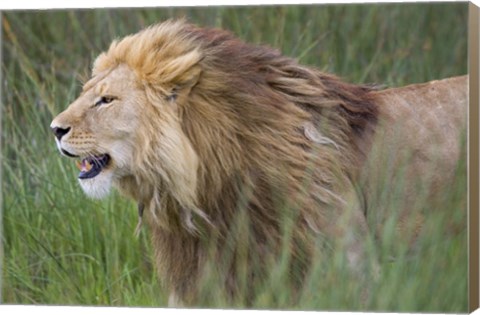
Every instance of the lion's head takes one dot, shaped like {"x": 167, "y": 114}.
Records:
{"x": 126, "y": 121}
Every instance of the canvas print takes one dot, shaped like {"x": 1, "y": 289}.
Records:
{"x": 302, "y": 157}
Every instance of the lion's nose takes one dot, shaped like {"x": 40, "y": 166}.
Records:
{"x": 60, "y": 132}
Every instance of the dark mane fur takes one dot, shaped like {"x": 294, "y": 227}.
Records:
{"x": 249, "y": 117}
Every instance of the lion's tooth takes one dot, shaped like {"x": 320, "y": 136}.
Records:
{"x": 78, "y": 164}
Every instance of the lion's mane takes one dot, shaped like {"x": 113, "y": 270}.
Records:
{"x": 273, "y": 141}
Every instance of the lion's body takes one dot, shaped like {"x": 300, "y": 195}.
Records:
{"x": 227, "y": 141}
{"x": 419, "y": 138}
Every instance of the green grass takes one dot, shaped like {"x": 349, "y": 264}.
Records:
{"x": 60, "y": 248}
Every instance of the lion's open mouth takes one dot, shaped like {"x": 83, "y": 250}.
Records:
{"x": 92, "y": 165}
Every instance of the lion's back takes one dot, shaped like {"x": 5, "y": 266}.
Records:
{"x": 417, "y": 146}
{"x": 427, "y": 118}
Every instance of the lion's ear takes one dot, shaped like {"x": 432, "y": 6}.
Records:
{"x": 188, "y": 79}
{"x": 182, "y": 86}
{"x": 183, "y": 72}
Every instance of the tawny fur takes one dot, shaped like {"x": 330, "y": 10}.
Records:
{"x": 227, "y": 132}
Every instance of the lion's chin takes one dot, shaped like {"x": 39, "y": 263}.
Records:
{"x": 97, "y": 187}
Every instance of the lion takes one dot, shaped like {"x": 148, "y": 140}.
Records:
{"x": 221, "y": 143}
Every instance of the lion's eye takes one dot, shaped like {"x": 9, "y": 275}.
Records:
{"x": 104, "y": 100}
